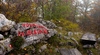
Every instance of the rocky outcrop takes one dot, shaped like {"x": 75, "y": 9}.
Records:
{"x": 5, "y": 24}
{"x": 39, "y": 31}
{"x": 31, "y": 32}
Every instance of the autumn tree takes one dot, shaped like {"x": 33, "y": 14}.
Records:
{"x": 20, "y": 10}
{"x": 84, "y": 12}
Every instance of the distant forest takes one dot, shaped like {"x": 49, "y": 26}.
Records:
{"x": 69, "y": 14}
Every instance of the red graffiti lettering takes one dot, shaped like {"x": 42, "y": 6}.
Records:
{"x": 10, "y": 46}
{"x": 23, "y": 25}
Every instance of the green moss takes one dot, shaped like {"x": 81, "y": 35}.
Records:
{"x": 37, "y": 46}
{"x": 17, "y": 42}
{"x": 54, "y": 40}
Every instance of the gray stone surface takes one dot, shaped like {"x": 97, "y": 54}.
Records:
{"x": 66, "y": 37}
{"x": 89, "y": 37}
{"x": 70, "y": 33}
{"x": 71, "y": 44}
{"x": 13, "y": 31}
{"x": 2, "y": 50}
{"x": 78, "y": 33}
{"x": 6, "y": 33}
{"x": 69, "y": 52}
{"x": 33, "y": 51}
{"x": 5, "y": 24}
{"x": 74, "y": 41}
{"x": 60, "y": 28}
{"x": 33, "y": 39}
{"x": 5, "y": 43}
{"x": 48, "y": 24}
{"x": 89, "y": 52}
{"x": 59, "y": 35}
{"x": 10, "y": 36}
{"x": 42, "y": 48}
{"x": 87, "y": 46}
{"x": 98, "y": 39}
{"x": 1, "y": 36}
{"x": 56, "y": 49}
{"x": 61, "y": 43}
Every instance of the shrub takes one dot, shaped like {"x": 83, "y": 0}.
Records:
{"x": 54, "y": 40}
{"x": 17, "y": 42}
{"x": 67, "y": 25}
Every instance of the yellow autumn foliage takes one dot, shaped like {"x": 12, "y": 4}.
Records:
{"x": 67, "y": 25}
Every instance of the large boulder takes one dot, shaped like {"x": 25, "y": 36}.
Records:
{"x": 88, "y": 38}
{"x": 38, "y": 32}
{"x": 5, "y": 24}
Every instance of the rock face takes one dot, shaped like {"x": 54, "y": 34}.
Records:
{"x": 88, "y": 38}
{"x": 5, "y": 24}
{"x": 69, "y": 52}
